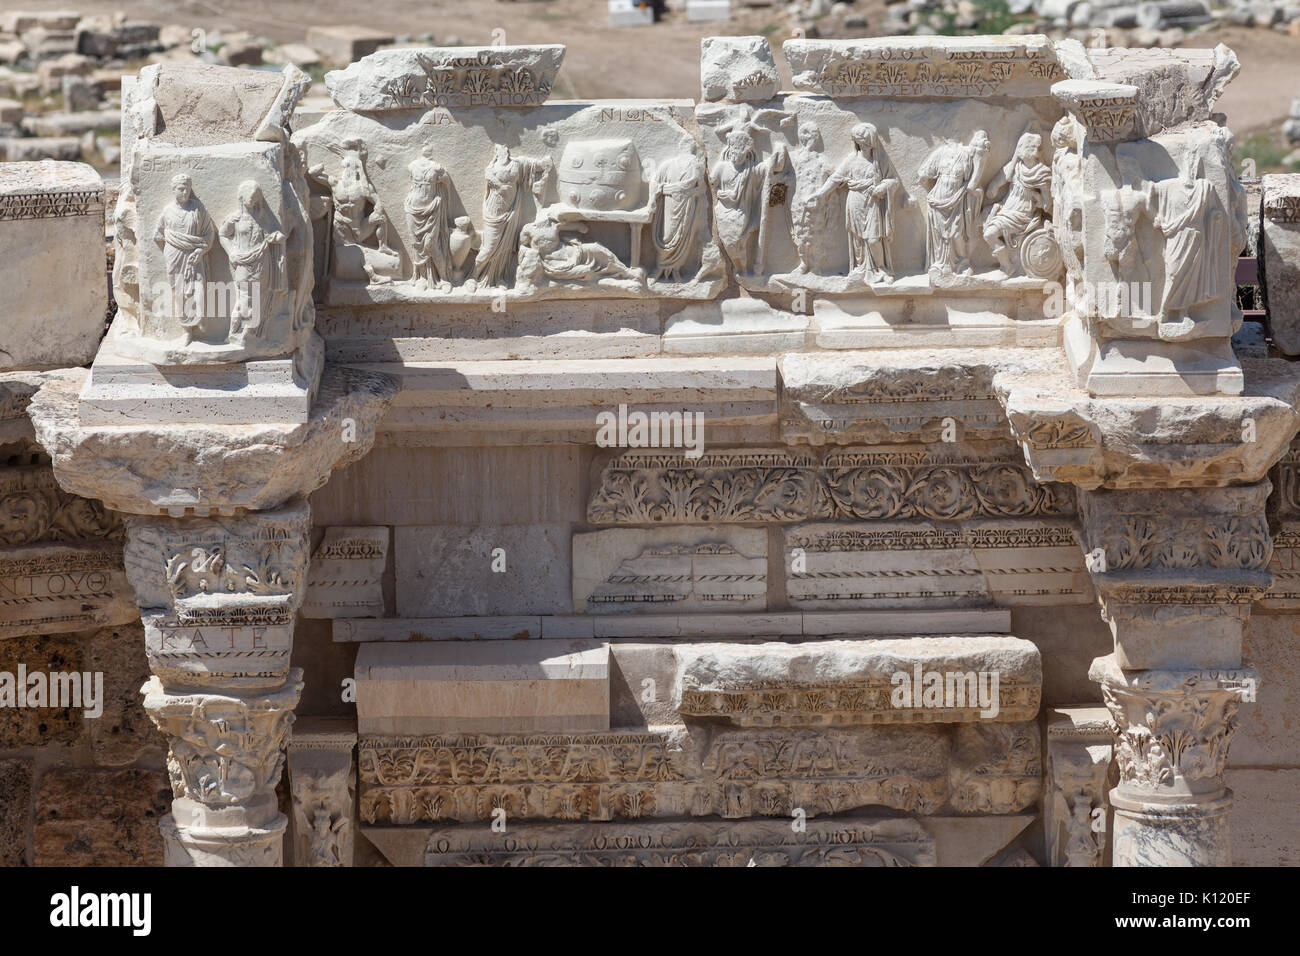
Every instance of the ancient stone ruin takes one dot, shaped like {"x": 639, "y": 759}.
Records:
{"x": 875, "y": 473}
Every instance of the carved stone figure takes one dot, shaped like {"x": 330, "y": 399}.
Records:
{"x": 1009, "y": 223}
{"x": 1123, "y": 209}
{"x": 426, "y": 208}
{"x": 545, "y": 254}
{"x": 256, "y": 259}
{"x": 808, "y": 217}
{"x": 363, "y": 249}
{"x": 1190, "y": 216}
{"x": 464, "y": 240}
{"x": 503, "y": 214}
{"x": 952, "y": 177}
{"x": 185, "y": 233}
{"x": 1067, "y": 209}
{"x": 678, "y": 194}
{"x": 738, "y": 189}
{"x": 868, "y": 210}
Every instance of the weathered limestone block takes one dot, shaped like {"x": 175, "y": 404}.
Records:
{"x": 859, "y": 842}
{"x": 346, "y": 574}
{"x": 996, "y": 767}
{"x": 1066, "y": 435}
{"x": 1156, "y": 221}
{"x": 193, "y": 104}
{"x": 15, "y": 811}
{"x": 926, "y": 66}
{"x": 146, "y": 469}
{"x": 1174, "y": 728}
{"x": 1177, "y": 570}
{"x": 622, "y": 570}
{"x": 515, "y": 200}
{"x": 1279, "y": 258}
{"x": 733, "y": 773}
{"x": 99, "y": 818}
{"x": 1171, "y": 86}
{"x": 323, "y": 785}
{"x": 218, "y": 595}
{"x": 60, "y": 559}
{"x": 55, "y": 297}
{"x": 1079, "y": 745}
{"x": 346, "y": 43}
{"x": 122, "y": 734}
{"x": 737, "y": 69}
{"x": 455, "y": 77}
{"x": 481, "y": 569}
{"x": 760, "y": 485}
{"x": 28, "y": 664}
{"x": 1009, "y": 562}
{"x": 921, "y": 395}
{"x": 902, "y": 680}
{"x": 486, "y": 686}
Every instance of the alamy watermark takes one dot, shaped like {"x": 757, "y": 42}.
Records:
{"x": 637, "y": 429}
{"x": 58, "y": 690}
{"x": 945, "y": 690}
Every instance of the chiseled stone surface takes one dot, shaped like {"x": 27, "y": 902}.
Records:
{"x": 15, "y": 811}
{"x": 488, "y": 686}
{"x": 958, "y": 316}
{"x": 150, "y": 470}
{"x": 1279, "y": 257}
{"x": 346, "y": 574}
{"x": 947, "y": 680}
{"x": 52, "y": 243}
{"x": 100, "y": 818}
{"x": 482, "y": 569}
{"x": 668, "y": 570}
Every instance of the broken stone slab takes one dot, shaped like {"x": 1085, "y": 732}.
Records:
{"x": 31, "y": 149}
{"x": 346, "y": 43}
{"x": 52, "y": 239}
{"x": 1279, "y": 258}
{"x": 197, "y": 104}
{"x": 450, "y": 77}
{"x": 74, "y": 124}
{"x": 346, "y": 576}
{"x": 910, "y": 66}
{"x": 60, "y": 587}
{"x": 870, "y": 681}
{"x": 622, "y": 570}
{"x": 486, "y": 686}
{"x": 152, "y": 469}
{"x": 1172, "y": 87}
{"x": 737, "y": 69}
{"x": 908, "y": 395}
{"x": 1067, "y": 435}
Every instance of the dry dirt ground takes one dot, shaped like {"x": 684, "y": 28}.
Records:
{"x": 661, "y": 60}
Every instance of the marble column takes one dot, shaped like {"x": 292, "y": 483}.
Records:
{"x": 218, "y": 596}
{"x": 1176, "y": 571}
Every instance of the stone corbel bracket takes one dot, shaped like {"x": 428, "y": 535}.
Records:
{"x": 1167, "y": 442}
{"x": 210, "y": 469}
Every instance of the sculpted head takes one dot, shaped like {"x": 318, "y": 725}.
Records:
{"x": 864, "y": 137}
{"x": 1027, "y": 147}
{"x": 182, "y": 188}
{"x": 250, "y": 195}
{"x": 1063, "y": 134}
{"x": 980, "y": 141}
{"x": 740, "y": 145}
{"x": 810, "y": 136}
